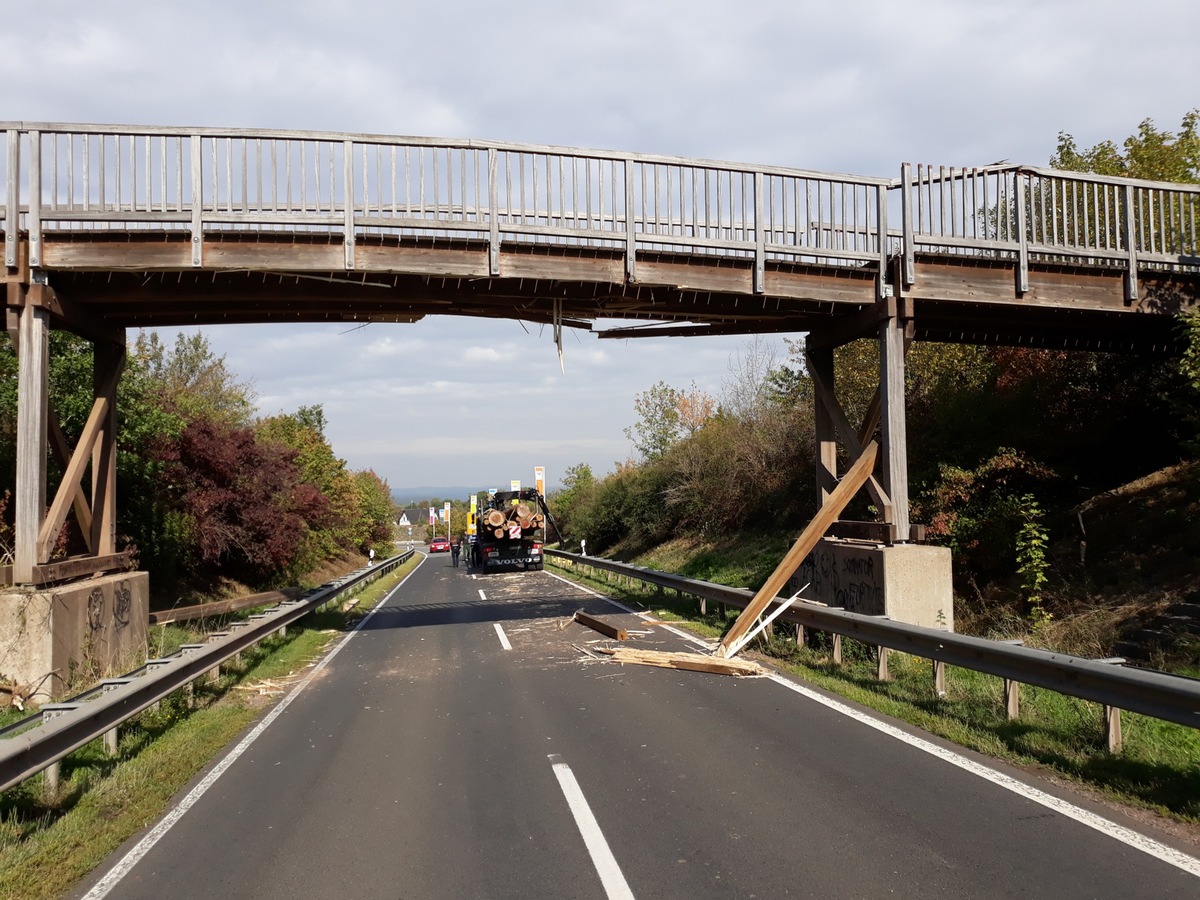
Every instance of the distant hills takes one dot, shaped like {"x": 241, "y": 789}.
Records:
{"x": 408, "y": 496}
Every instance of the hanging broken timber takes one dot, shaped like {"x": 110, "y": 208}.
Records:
{"x": 601, "y": 626}
{"x": 854, "y": 479}
{"x": 693, "y": 662}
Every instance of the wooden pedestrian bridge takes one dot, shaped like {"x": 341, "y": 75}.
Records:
{"x": 111, "y": 227}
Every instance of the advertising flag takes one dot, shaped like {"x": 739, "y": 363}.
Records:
{"x": 432, "y": 515}
{"x": 515, "y": 485}
{"x": 539, "y": 479}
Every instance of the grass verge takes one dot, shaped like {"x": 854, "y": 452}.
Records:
{"x": 1158, "y": 769}
{"x": 48, "y": 843}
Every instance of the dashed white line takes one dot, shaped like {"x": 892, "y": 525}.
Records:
{"x": 615, "y": 886}
{"x": 482, "y": 595}
{"x": 503, "y": 637}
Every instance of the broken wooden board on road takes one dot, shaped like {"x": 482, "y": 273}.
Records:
{"x": 695, "y": 662}
{"x": 601, "y": 626}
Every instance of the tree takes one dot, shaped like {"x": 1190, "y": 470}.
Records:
{"x": 1150, "y": 154}
{"x": 192, "y": 381}
{"x": 658, "y": 425}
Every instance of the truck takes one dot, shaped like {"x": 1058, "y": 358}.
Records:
{"x": 509, "y": 530}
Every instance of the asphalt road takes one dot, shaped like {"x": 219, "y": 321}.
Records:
{"x": 426, "y": 760}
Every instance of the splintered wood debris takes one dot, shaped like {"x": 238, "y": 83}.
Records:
{"x": 695, "y": 662}
{"x": 601, "y": 626}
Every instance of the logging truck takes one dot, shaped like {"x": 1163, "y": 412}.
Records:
{"x": 509, "y": 530}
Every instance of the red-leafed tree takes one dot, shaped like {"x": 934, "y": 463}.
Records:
{"x": 243, "y": 500}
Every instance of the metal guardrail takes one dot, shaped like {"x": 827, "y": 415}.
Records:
{"x": 57, "y": 729}
{"x": 1170, "y": 697}
{"x": 63, "y": 177}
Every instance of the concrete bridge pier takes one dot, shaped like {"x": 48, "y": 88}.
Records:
{"x": 877, "y": 568}
{"x": 52, "y": 620}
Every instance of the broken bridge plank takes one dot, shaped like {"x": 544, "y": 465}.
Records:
{"x": 694, "y": 662}
{"x": 601, "y": 626}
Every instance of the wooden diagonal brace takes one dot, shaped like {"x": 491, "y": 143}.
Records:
{"x": 62, "y": 452}
{"x": 854, "y": 479}
{"x": 849, "y": 437}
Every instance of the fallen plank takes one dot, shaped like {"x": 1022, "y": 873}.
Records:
{"x": 694, "y": 662}
{"x": 601, "y": 626}
{"x": 854, "y": 479}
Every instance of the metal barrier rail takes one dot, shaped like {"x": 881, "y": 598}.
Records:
{"x": 57, "y": 729}
{"x": 1170, "y": 697}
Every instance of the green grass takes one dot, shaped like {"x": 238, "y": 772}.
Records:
{"x": 48, "y": 843}
{"x": 1158, "y": 768}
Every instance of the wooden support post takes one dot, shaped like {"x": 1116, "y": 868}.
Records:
{"x": 895, "y": 439}
{"x": 837, "y": 649}
{"x": 881, "y": 670}
{"x": 855, "y": 478}
{"x": 109, "y": 366}
{"x": 1112, "y": 729}
{"x": 939, "y": 678}
{"x": 820, "y": 363}
{"x": 1012, "y": 699}
{"x": 33, "y": 360}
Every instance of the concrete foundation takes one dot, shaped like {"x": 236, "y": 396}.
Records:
{"x": 52, "y": 638}
{"x": 908, "y": 582}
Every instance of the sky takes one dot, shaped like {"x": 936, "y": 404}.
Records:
{"x": 855, "y": 87}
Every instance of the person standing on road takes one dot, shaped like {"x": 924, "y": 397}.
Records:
{"x": 454, "y": 551}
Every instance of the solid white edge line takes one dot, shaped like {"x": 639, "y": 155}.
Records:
{"x": 131, "y": 859}
{"x": 503, "y": 637}
{"x": 1128, "y": 836}
{"x": 615, "y": 886}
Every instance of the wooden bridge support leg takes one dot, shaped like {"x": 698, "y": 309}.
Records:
{"x": 108, "y": 366}
{"x": 821, "y": 360}
{"x": 895, "y": 437}
{"x": 33, "y": 359}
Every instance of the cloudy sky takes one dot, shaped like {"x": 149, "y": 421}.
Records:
{"x": 857, "y": 86}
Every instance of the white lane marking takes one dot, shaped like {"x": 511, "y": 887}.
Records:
{"x": 1158, "y": 850}
{"x": 1135, "y": 839}
{"x": 131, "y": 859}
{"x": 606, "y": 864}
{"x": 503, "y": 637}
{"x": 482, "y": 595}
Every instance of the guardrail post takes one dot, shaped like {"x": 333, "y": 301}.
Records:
{"x": 837, "y": 649}
{"x": 703, "y": 606}
{"x": 881, "y": 670}
{"x": 801, "y": 636}
{"x": 939, "y": 678}
{"x": 1112, "y": 729}
{"x": 1012, "y": 699}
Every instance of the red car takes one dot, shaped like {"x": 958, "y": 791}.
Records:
{"x": 439, "y": 545}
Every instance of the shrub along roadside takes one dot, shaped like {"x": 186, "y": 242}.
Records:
{"x": 1156, "y": 769}
{"x": 48, "y": 843}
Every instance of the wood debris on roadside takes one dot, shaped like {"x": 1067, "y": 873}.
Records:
{"x": 601, "y": 626}
{"x": 695, "y": 662}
